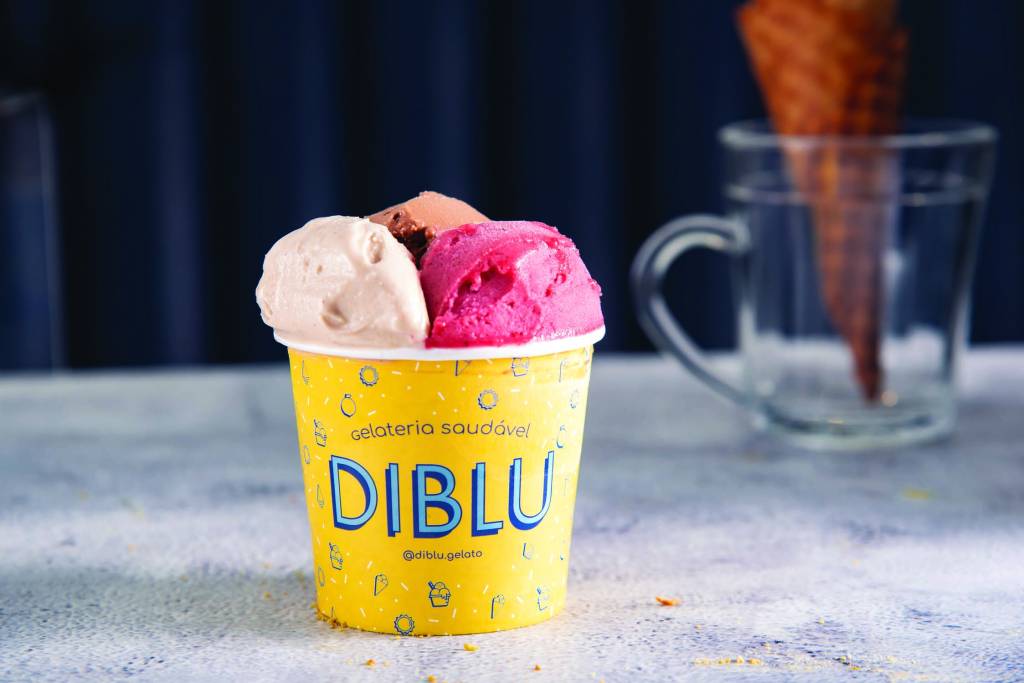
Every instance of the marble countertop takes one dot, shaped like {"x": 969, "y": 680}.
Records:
{"x": 152, "y": 526}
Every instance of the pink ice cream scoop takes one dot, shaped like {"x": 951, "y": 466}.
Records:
{"x": 498, "y": 283}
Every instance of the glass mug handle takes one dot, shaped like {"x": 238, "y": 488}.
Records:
{"x": 649, "y": 267}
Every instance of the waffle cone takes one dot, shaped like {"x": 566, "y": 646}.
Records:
{"x": 835, "y": 67}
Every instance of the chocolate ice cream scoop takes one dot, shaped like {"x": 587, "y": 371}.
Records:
{"x": 417, "y": 221}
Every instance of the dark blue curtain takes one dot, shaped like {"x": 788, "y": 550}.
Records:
{"x": 191, "y": 134}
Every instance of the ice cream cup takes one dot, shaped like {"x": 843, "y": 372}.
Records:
{"x": 440, "y": 483}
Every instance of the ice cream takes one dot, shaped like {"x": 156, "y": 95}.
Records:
{"x": 417, "y": 221}
{"x": 498, "y": 283}
{"x": 415, "y": 443}
{"x": 342, "y": 281}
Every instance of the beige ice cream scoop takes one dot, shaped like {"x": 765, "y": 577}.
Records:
{"x": 342, "y": 281}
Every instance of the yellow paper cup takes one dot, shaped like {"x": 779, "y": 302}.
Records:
{"x": 440, "y": 485}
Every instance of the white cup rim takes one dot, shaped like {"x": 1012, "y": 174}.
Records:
{"x": 542, "y": 347}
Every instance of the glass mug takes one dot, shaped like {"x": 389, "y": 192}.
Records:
{"x": 852, "y": 263}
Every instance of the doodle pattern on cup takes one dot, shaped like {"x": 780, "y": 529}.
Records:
{"x": 466, "y": 591}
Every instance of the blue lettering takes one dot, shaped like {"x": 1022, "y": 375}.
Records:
{"x": 481, "y": 527}
{"x": 338, "y": 465}
{"x": 391, "y": 487}
{"x": 515, "y": 510}
{"x": 421, "y": 500}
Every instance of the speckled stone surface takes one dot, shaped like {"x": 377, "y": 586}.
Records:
{"x": 152, "y": 526}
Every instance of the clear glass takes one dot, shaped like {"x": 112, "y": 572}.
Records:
{"x": 853, "y": 259}
{"x": 30, "y": 287}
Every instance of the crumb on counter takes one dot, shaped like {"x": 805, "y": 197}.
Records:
{"x": 667, "y": 602}
{"x": 331, "y": 621}
{"x": 469, "y": 647}
{"x": 431, "y": 678}
{"x": 724, "y": 661}
{"x": 911, "y": 493}
{"x": 536, "y": 667}
{"x": 370, "y": 662}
